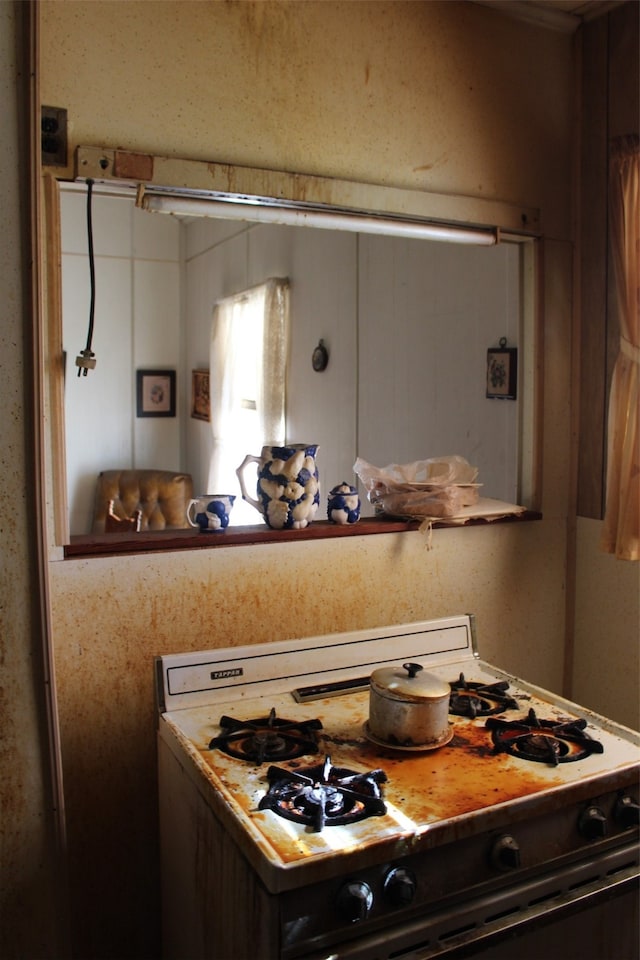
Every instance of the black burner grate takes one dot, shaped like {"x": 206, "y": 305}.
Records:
{"x": 266, "y": 738}
{"x": 544, "y": 741}
{"x": 324, "y": 795}
{"x": 470, "y": 699}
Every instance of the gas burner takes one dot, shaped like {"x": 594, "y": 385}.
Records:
{"x": 545, "y": 741}
{"x": 470, "y": 699}
{"x": 266, "y": 738}
{"x": 324, "y": 795}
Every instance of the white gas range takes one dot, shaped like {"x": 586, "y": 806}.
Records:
{"x": 287, "y": 831}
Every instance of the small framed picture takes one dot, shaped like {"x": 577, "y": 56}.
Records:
{"x": 200, "y": 408}
{"x": 502, "y": 372}
{"x": 156, "y": 393}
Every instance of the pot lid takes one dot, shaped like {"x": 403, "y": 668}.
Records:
{"x": 409, "y": 682}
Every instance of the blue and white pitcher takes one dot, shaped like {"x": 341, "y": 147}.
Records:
{"x": 288, "y": 485}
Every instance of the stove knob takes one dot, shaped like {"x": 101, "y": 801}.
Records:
{"x": 505, "y": 853}
{"x": 592, "y": 823}
{"x": 627, "y": 812}
{"x": 399, "y": 887}
{"x": 355, "y": 900}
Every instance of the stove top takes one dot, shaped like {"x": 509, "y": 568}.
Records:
{"x": 274, "y": 739}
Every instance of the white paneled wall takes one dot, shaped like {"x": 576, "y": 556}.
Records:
{"x": 322, "y": 406}
{"x": 407, "y": 324}
{"x": 137, "y": 326}
{"x": 428, "y": 312}
{"x": 321, "y": 267}
{"x": 156, "y": 345}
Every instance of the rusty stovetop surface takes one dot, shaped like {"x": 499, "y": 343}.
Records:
{"x": 431, "y": 798}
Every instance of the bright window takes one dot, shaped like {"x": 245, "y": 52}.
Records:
{"x": 247, "y": 383}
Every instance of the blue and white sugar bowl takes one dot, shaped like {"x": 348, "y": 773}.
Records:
{"x": 344, "y": 504}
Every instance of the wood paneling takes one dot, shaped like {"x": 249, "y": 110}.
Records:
{"x": 610, "y": 108}
{"x": 593, "y": 269}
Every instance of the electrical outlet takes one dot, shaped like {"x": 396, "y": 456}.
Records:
{"x": 53, "y": 136}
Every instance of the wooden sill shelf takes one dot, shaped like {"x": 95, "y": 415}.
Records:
{"x": 100, "y": 545}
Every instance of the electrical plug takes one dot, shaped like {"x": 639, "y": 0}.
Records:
{"x": 85, "y": 361}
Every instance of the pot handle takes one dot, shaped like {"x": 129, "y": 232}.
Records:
{"x": 240, "y": 475}
{"x": 412, "y": 669}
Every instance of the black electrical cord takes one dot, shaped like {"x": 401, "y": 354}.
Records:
{"x": 92, "y": 266}
{"x": 86, "y": 359}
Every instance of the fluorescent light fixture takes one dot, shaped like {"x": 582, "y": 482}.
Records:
{"x": 325, "y": 219}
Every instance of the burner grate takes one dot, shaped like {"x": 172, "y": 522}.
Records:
{"x": 324, "y": 795}
{"x": 266, "y": 738}
{"x": 543, "y": 741}
{"x": 469, "y": 699}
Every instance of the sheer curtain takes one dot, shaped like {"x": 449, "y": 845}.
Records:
{"x": 249, "y": 336}
{"x": 621, "y": 529}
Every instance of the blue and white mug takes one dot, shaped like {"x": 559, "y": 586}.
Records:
{"x": 210, "y": 511}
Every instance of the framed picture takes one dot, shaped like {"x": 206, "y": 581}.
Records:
{"x": 502, "y": 372}
{"x": 200, "y": 409}
{"x": 156, "y": 393}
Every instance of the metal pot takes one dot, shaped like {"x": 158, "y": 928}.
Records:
{"x": 408, "y": 707}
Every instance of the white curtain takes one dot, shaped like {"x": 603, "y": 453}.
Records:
{"x": 621, "y": 528}
{"x": 249, "y": 337}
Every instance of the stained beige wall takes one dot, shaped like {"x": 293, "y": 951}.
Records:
{"x": 606, "y": 654}
{"x": 29, "y": 875}
{"x": 606, "y": 666}
{"x": 449, "y": 97}
{"x": 438, "y": 95}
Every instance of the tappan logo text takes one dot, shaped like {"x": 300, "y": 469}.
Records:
{"x": 224, "y": 674}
